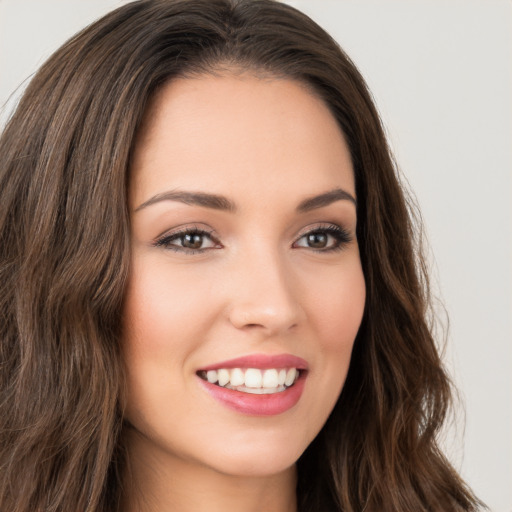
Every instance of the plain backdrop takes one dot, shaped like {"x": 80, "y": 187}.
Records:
{"x": 441, "y": 74}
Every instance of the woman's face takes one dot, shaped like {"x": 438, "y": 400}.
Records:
{"x": 245, "y": 272}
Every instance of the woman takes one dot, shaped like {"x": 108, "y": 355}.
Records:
{"x": 210, "y": 290}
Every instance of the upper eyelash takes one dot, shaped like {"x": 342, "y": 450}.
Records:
{"x": 342, "y": 236}
{"x": 165, "y": 239}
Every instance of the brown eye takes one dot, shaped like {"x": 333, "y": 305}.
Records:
{"x": 326, "y": 239}
{"x": 192, "y": 241}
{"x": 317, "y": 240}
{"x": 188, "y": 241}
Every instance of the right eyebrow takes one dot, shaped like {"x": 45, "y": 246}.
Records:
{"x": 203, "y": 199}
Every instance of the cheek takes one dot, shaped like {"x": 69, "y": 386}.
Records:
{"x": 335, "y": 314}
{"x": 164, "y": 314}
{"x": 338, "y": 309}
{"x": 163, "y": 307}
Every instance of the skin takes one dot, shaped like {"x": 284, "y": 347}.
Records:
{"x": 257, "y": 286}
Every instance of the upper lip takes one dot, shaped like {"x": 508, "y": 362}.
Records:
{"x": 261, "y": 361}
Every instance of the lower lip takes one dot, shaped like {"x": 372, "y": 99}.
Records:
{"x": 257, "y": 405}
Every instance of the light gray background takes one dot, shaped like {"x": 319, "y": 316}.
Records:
{"x": 441, "y": 73}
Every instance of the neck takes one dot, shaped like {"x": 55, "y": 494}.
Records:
{"x": 163, "y": 482}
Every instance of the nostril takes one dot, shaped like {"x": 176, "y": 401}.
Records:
{"x": 280, "y": 316}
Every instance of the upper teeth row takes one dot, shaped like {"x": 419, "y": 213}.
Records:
{"x": 252, "y": 377}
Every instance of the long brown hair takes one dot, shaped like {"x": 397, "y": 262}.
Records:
{"x": 64, "y": 260}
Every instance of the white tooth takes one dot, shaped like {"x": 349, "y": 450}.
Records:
{"x": 270, "y": 379}
{"x": 282, "y": 377}
{"x": 223, "y": 376}
{"x": 255, "y": 391}
{"x": 253, "y": 378}
{"x": 237, "y": 377}
{"x": 290, "y": 376}
{"x": 211, "y": 376}
{"x": 259, "y": 391}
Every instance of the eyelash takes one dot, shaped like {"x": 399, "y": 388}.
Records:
{"x": 166, "y": 240}
{"x": 341, "y": 238}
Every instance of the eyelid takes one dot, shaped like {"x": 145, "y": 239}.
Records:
{"x": 321, "y": 226}
{"x": 342, "y": 235}
{"x": 184, "y": 228}
{"x": 164, "y": 239}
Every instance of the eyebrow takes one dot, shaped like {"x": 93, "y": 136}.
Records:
{"x": 312, "y": 203}
{"x": 192, "y": 198}
{"x": 217, "y": 202}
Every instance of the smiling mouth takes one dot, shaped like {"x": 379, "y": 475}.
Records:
{"x": 252, "y": 380}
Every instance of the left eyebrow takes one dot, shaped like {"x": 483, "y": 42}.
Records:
{"x": 312, "y": 203}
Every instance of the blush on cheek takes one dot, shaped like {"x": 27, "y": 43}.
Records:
{"x": 342, "y": 313}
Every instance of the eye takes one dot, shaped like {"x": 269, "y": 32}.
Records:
{"x": 189, "y": 240}
{"x": 324, "y": 239}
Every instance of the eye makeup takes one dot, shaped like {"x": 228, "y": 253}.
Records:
{"x": 192, "y": 240}
{"x": 324, "y": 238}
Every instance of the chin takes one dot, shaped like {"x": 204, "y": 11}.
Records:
{"x": 260, "y": 466}
{"x": 260, "y": 456}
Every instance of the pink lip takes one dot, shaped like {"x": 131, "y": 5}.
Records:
{"x": 257, "y": 405}
{"x": 261, "y": 361}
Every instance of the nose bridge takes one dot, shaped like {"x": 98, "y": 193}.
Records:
{"x": 263, "y": 295}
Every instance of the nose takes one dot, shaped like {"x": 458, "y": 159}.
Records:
{"x": 264, "y": 296}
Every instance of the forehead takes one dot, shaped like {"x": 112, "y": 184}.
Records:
{"x": 223, "y": 130}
